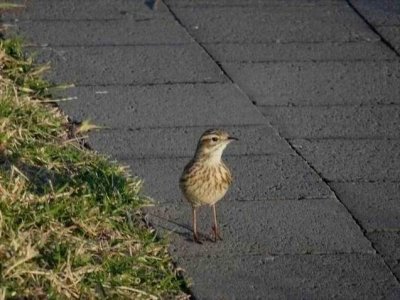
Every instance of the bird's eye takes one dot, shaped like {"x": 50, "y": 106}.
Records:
{"x": 214, "y": 139}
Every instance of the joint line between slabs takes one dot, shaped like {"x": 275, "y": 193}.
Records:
{"x": 383, "y": 230}
{"x": 276, "y": 255}
{"x": 197, "y": 42}
{"x": 369, "y": 24}
{"x": 272, "y": 42}
{"x": 314, "y": 61}
{"x": 131, "y": 129}
{"x": 338, "y": 105}
{"x": 263, "y": 5}
{"x": 342, "y": 138}
{"x": 50, "y": 46}
{"x": 319, "y": 175}
{"x": 357, "y": 222}
{"x": 363, "y": 181}
{"x": 188, "y": 156}
{"x": 150, "y": 84}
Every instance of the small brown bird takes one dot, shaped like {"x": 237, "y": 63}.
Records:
{"x": 206, "y": 179}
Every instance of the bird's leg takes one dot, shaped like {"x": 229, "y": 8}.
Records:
{"x": 195, "y": 235}
{"x": 215, "y": 229}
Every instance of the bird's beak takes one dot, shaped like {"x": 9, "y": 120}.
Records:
{"x": 231, "y": 138}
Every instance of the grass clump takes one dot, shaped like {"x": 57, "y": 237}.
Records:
{"x": 70, "y": 220}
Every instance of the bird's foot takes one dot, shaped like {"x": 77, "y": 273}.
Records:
{"x": 197, "y": 239}
{"x": 216, "y": 234}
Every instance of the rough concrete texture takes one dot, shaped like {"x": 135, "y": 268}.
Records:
{"x": 384, "y": 16}
{"x": 245, "y": 3}
{"x": 155, "y": 88}
{"x": 171, "y": 105}
{"x": 388, "y": 244}
{"x": 281, "y": 228}
{"x": 117, "y": 32}
{"x": 275, "y": 52}
{"x": 88, "y": 10}
{"x": 293, "y": 277}
{"x": 375, "y": 121}
{"x": 352, "y": 160}
{"x": 375, "y": 205}
{"x": 300, "y": 83}
{"x": 392, "y": 35}
{"x": 379, "y": 12}
{"x": 131, "y": 65}
{"x": 269, "y": 177}
{"x": 274, "y": 24}
{"x": 286, "y": 67}
{"x": 182, "y": 141}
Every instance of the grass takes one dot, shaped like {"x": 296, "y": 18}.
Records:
{"x": 70, "y": 220}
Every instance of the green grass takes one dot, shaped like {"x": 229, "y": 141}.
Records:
{"x": 70, "y": 220}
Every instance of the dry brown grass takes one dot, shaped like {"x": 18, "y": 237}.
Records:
{"x": 70, "y": 220}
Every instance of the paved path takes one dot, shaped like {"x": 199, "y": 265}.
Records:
{"x": 311, "y": 88}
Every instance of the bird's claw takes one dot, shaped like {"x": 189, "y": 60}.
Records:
{"x": 196, "y": 239}
{"x": 216, "y": 234}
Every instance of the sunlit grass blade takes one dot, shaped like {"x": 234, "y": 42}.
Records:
{"x": 70, "y": 220}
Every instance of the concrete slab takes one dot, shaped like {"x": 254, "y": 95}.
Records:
{"x": 103, "y": 33}
{"x": 392, "y": 35}
{"x": 272, "y": 24}
{"x": 281, "y": 227}
{"x": 388, "y": 245}
{"x": 335, "y": 121}
{"x": 379, "y": 12}
{"x": 318, "y": 83}
{"x": 352, "y": 160}
{"x": 375, "y": 205}
{"x": 173, "y": 105}
{"x": 277, "y": 52}
{"x": 291, "y": 277}
{"x": 182, "y": 141}
{"x": 131, "y": 65}
{"x": 213, "y": 3}
{"x": 259, "y": 177}
{"x": 147, "y": 88}
{"x": 87, "y": 10}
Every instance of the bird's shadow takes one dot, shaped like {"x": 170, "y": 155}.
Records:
{"x": 178, "y": 228}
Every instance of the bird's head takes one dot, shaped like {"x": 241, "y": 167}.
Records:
{"x": 212, "y": 143}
